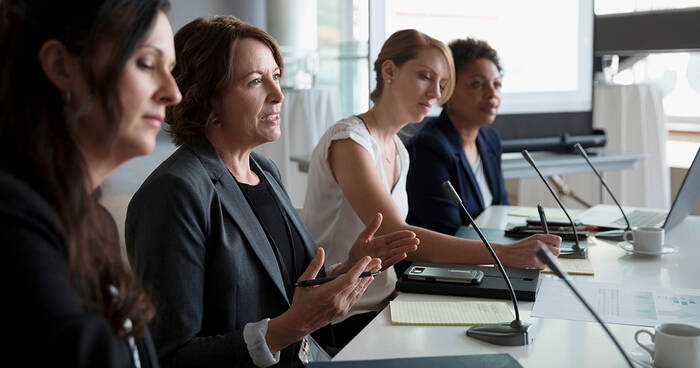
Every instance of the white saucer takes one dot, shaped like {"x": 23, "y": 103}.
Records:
{"x": 667, "y": 249}
{"x": 640, "y": 357}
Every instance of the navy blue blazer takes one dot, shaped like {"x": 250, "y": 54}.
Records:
{"x": 437, "y": 155}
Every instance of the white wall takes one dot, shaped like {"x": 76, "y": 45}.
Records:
{"x": 184, "y": 11}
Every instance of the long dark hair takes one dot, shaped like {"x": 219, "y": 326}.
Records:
{"x": 36, "y": 147}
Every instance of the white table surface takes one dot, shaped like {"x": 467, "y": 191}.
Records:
{"x": 557, "y": 343}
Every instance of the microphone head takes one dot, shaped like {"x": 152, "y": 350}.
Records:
{"x": 451, "y": 192}
{"x": 527, "y": 157}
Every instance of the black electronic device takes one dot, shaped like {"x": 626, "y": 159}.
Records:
{"x": 576, "y": 251}
{"x": 513, "y": 141}
{"x": 500, "y": 236}
{"x": 548, "y": 258}
{"x": 551, "y": 222}
{"x": 520, "y": 231}
{"x": 454, "y": 275}
{"x": 524, "y": 282}
{"x": 515, "y": 333}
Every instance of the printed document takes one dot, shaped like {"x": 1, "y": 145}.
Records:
{"x": 614, "y": 303}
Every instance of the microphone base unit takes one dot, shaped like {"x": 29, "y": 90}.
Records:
{"x": 574, "y": 254}
{"x": 502, "y": 334}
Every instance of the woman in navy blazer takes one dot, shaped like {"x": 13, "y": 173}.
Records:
{"x": 459, "y": 145}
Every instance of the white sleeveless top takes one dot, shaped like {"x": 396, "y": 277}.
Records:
{"x": 329, "y": 216}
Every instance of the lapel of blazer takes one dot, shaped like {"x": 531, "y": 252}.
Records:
{"x": 309, "y": 244}
{"x": 236, "y": 204}
{"x": 458, "y": 150}
{"x": 487, "y": 163}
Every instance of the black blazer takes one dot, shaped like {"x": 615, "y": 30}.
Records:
{"x": 45, "y": 322}
{"x": 205, "y": 259}
{"x": 437, "y": 155}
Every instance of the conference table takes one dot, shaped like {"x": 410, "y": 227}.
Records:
{"x": 557, "y": 342}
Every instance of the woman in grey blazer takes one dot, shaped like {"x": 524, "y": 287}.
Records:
{"x": 212, "y": 232}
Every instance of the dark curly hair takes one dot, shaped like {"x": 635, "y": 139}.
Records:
{"x": 204, "y": 49}
{"x": 467, "y": 50}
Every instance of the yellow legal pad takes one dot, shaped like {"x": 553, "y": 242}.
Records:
{"x": 449, "y": 313}
{"x": 574, "y": 266}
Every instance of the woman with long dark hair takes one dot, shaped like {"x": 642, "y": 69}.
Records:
{"x": 84, "y": 86}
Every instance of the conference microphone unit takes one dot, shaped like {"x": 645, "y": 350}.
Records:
{"x": 576, "y": 250}
{"x": 612, "y": 234}
{"x": 510, "y": 334}
{"x": 548, "y": 258}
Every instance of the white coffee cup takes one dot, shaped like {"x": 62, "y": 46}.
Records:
{"x": 646, "y": 239}
{"x": 674, "y": 345}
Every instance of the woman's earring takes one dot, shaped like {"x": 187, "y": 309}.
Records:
{"x": 213, "y": 119}
{"x": 388, "y": 81}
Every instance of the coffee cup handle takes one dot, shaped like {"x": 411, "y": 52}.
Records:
{"x": 649, "y": 348}
{"x": 629, "y": 239}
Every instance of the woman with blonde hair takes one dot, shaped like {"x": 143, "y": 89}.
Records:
{"x": 359, "y": 167}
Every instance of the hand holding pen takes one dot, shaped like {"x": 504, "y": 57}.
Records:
{"x": 314, "y": 307}
{"x": 323, "y": 280}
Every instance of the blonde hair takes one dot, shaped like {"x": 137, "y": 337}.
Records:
{"x": 405, "y": 45}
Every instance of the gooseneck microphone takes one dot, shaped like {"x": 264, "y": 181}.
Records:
{"x": 576, "y": 251}
{"x": 510, "y": 334}
{"x": 613, "y": 233}
{"x": 548, "y": 258}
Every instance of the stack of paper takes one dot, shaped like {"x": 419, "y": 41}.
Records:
{"x": 449, "y": 313}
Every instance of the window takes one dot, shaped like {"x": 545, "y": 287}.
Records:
{"x": 678, "y": 75}
{"x": 343, "y": 39}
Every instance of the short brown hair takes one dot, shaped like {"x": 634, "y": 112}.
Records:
{"x": 403, "y": 46}
{"x": 204, "y": 69}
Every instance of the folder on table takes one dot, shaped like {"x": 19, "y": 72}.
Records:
{"x": 459, "y": 361}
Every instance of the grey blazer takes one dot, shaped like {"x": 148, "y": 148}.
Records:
{"x": 204, "y": 258}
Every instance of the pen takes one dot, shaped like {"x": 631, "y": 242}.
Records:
{"x": 323, "y": 280}
{"x": 543, "y": 219}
